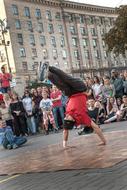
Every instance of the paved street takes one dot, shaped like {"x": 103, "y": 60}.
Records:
{"x": 113, "y": 177}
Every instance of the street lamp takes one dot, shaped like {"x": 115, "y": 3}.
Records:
{"x": 3, "y": 31}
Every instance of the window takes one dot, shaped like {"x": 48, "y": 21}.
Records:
{"x": 96, "y": 53}
{"x": 94, "y": 43}
{"x": 102, "y": 31}
{"x": 42, "y": 40}
{"x": 60, "y": 28}
{"x": 81, "y": 18}
{"x": 40, "y": 27}
{"x": 15, "y": 10}
{"x": 35, "y": 66}
{"x": 50, "y": 28}
{"x": 22, "y": 52}
{"x": 62, "y": 42}
{"x": 93, "y": 31}
{"x": 24, "y": 66}
{"x": 74, "y": 42}
{"x": 29, "y": 25}
{"x": 72, "y": 30}
{"x": 53, "y": 41}
{"x": 56, "y": 64}
{"x": 76, "y": 54}
{"x": 71, "y": 17}
{"x": 34, "y": 52}
{"x": 27, "y": 12}
{"x": 58, "y": 16}
{"x": 32, "y": 39}
{"x": 85, "y": 42}
{"x": 92, "y": 20}
{"x": 38, "y": 13}
{"x": 83, "y": 31}
{"x": 64, "y": 54}
{"x": 45, "y": 53}
{"x": 105, "y": 54}
{"x": 54, "y": 52}
{"x": 20, "y": 38}
{"x": 48, "y": 15}
{"x": 17, "y": 24}
{"x": 103, "y": 43}
{"x": 86, "y": 52}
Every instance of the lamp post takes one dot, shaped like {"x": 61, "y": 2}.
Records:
{"x": 3, "y": 31}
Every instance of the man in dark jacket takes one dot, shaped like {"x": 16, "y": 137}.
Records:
{"x": 118, "y": 83}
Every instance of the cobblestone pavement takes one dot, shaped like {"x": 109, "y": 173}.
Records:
{"x": 111, "y": 178}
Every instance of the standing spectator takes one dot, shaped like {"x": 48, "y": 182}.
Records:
{"x": 125, "y": 83}
{"x": 5, "y": 79}
{"x": 18, "y": 113}
{"x": 39, "y": 91}
{"x": 57, "y": 105}
{"x": 27, "y": 104}
{"x": 108, "y": 90}
{"x": 5, "y": 114}
{"x": 118, "y": 83}
{"x": 46, "y": 107}
{"x": 97, "y": 89}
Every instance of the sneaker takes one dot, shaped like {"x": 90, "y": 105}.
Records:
{"x": 9, "y": 147}
{"x": 55, "y": 130}
{"x": 15, "y": 146}
{"x": 46, "y": 133}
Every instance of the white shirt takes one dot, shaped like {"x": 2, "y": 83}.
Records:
{"x": 46, "y": 104}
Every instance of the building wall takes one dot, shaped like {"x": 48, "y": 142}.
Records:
{"x": 99, "y": 18}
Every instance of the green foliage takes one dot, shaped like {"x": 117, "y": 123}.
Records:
{"x": 116, "y": 38}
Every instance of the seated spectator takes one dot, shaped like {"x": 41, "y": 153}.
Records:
{"x": 101, "y": 114}
{"x": 112, "y": 111}
{"x": 119, "y": 102}
{"x": 46, "y": 107}
{"x": 124, "y": 108}
{"x": 93, "y": 113}
{"x": 7, "y": 138}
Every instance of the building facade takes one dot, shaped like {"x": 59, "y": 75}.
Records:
{"x": 67, "y": 35}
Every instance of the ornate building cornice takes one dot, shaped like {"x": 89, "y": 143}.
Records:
{"x": 74, "y": 5}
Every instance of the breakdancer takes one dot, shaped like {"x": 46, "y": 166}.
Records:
{"x": 76, "y": 110}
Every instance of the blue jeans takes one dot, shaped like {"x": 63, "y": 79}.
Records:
{"x": 9, "y": 138}
{"x": 31, "y": 124}
{"x": 55, "y": 114}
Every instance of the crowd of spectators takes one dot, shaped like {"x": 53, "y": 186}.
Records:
{"x": 42, "y": 109}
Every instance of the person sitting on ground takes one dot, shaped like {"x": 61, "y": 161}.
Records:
{"x": 112, "y": 110}
{"x": 101, "y": 114}
{"x": 7, "y": 138}
{"x": 93, "y": 113}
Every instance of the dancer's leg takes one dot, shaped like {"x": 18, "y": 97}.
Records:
{"x": 76, "y": 84}
{"x": 56, "y": 80}
{"x": 65, "y": 137}
{"x": 98, "y": 132}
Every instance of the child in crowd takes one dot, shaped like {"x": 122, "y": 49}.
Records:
{"x": 46, "y": 107}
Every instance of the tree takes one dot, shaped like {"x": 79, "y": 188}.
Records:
{"x": 116, "y": 38}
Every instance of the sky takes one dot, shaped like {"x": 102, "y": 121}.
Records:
{"x": 107, "y": 3}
